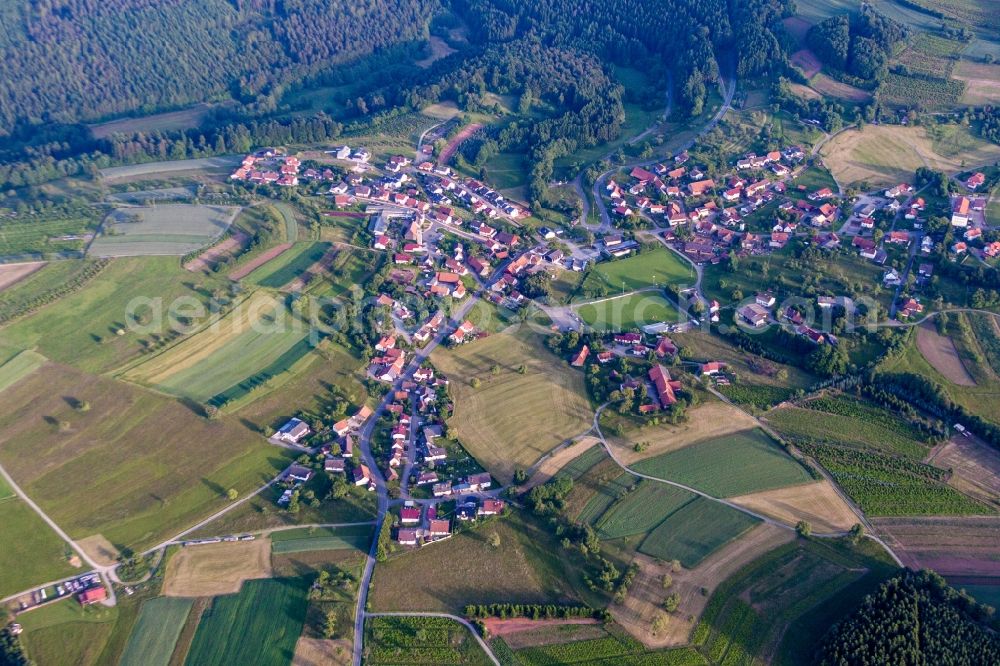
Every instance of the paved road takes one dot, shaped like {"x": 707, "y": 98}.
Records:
{"x": 463, "y": 621}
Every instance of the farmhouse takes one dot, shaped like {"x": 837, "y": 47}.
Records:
{"x": 409, "y": 515}
{"x": 299, "y": 473}
{"x": 292, "y": 432}
{"x": 754, "y": 314}
{"x": 581, "y": 357}
{"x": 92, "y": 595}
{"x": 665, "y": 387}
{"x": 439, "y": 528}
{"x": 960, "y": 212}
{"x": 975, "y": 180}
{"x": 490, "y": 507}
{"x": 407, "y": 536}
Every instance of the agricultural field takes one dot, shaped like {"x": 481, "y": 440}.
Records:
{"x": 166, "y": 229}
{"x": 155, "y": 634}
{"x": 149, "y": 471}
{"x": 131, "y": 195}
{"x": 528, "y": 567}
{"x": 941, "y": 352}
{"x": 67, "y": 634}
{"x": 162, "y": 122}
{"x": 290, "y": 265}
{"x": 974, "y": 465}
{"x": 959, "y": 546}
{"x": 216, "y": 568}
{"x": 307, "y": 539}
{"x": 753, "y": 462}
{"x": 935, "y": 94}
{"x": 89, "y": 328}
{"x": 817, "y": 503}
{"x": 18, "y": 367}
{"x": 846, "y": 420}
{"x": 607, "y": 491}
{"x": 258, "y": 339}
{"x": 11, "y": 274}
{"x": 614, "y": 647}
{"x": 152, "y": 170}
{"x": 652, "y": 268}
{"x": 831, "y": 87}
{"x": 260, "y": 625}
{"x": 420, "y": 640}
{"x": 46, "y": 234}
{"x": 32, "y": 553}
{"x": 777, "y": 607}
{"x": 547, "y": 401}
{"x": 573, "y": 461}
{"x": 887, "y": 154}
{"x": 641, "y": 510}
{"x": 695, "y": 531}
{"x": 630, "y": 312}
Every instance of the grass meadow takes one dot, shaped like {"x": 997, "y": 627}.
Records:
{"x": 165, "y": 229}
{"x": 629, "y": 312}
{"x": 46, "y": 234}
{"x": 67, "y": 634}
{"x": 512, "y": 419}
{"x": 651, "y": 268}
{"x": 743, "y": 462}
{"x": 135, "y": 466}
{"x": 321, "y": 538}
{"x": 695, "y": 531}
{"x": 32, "y": 553}
{"x": 155, "y": 634}
{"x": 290, "y": 265}
{"x": 614, "y": 647}
{"x": 260, "y": 625}
{"x": 18, "y": 367}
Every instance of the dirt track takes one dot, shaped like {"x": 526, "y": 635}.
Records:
{"x": 456, "y": 141}
{"x": 940, "y": 352}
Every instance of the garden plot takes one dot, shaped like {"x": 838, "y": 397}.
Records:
{"x": 168, "y": 229}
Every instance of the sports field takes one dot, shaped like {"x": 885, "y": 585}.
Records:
{"x": 695, "y": 531}
{"x": 889, "y": 154}
{"x": 31, "y": 553}
{"x": 151, "y": 465}
{"x": 90, "y": 327}
{"x": 629, "y": 312}
{"x": 165, "y": 229}
{"x": 19, "y": 367}
{"x": 260, "y": 625}
{"x": 155, "y": 634}
{"x": 740, "y": 463}
{"x": 321, "y": 538}
{"x": 512, "y": 419}
{"x": 652, "y": 268}
{"x": 258, "y": 339}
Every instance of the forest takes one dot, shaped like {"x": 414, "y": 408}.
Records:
{"x": 858, "y": 45}
{"x": 913, "y": 618}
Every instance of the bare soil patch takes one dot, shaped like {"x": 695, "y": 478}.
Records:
{"x": 522, "y": 632}
{"x": 207, "y": 259}
{"x": 11, "y": 274}
{"x": 99, "y": 549}
{"x": 807, "y": 61}
{"x": 456, "y": 141}
{"x": 982, "y": 82}
{"x": 959, "y": 546}
{"x": 319, "y": 652}
{"x": 551, "y": 465}
{"x": 833, "y": 88}
{"x": 646, "y": 594}
{"x": 709, "y": 420}
{"x": 258, "y": 261}
{"x": 975, "y": 466}
{"x": 818, "y": 503}
{"x": 217, "y": 568}
{"x": 804, "y": 92}
{"x": 940, "y": 352}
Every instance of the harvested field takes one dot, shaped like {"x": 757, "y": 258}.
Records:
{"x": 707, "y": 421}
{"x": 976, "y": 466}
{"x": 165, "y": 229}
{"x": 982, "y": 82}
{"x": 153, "y": 169}
{"x": 100, "y": 549}
{"x": 950, "y": 546}
{"x": 807, "y": 61}
{"x": 11, "y": 274}
{"x": 547, "y": 401}
{"x": 645, "y": 596}
{"x": 216, "y": 568}
{"x": 207, "y": 259}
{"x": 456, "y": 141}
{"x": 889, "y": 154}
{"x": 320, "y": 652}
{"x": 18, "y": 367}
{"x": 258, "y": 261}
{"x": 834, "y": 88}
{"x": 818, "y": 503}
{"x": 940, "y": 352}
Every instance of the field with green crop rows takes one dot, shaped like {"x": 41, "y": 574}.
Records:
{"x": 606, "y": 495}
{"x": 744, "y": 462}
{"x": 641, "y": 510}
{"x": 290, "y": 265}
{"x": 321, "y": 538}
{"x": 630, "y": 312}
{"x": 166, "y": 229}
{"x": 155, "y": 634}
{"x": 421, "y": 640}
{"x": 617, "y": 648}
{"x": 695, "y": 531}
{"x": 584, "y": 462}
{"x": 260, "y": 625}
{"x": 44, "y": 234}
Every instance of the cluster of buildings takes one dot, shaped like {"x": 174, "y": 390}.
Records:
{"x": 270, "y": 166}
{"x": 422, "y": 394}
{"x": 419, "y": 526}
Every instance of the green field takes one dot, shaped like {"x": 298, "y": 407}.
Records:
{"x": 31, "y": 553}
{"x": 615, "y": 648}
{"x": 737, "y": 464}
{"x": 641, "y": 510}
{"x": 19, "y": 367}
{"x": 45, "y": 234}
{"x": 584, "y": 462}
{"x": 606, "y": 494}
{"x": 846, "y": 420}
{"x": 420, "y": 640}
{"x": 152, "y": 465}
{"x": 82, "y": 328}
{"x": 289, "y": 265}
{"x": 154, "y": 636}
{"x": 695, "y": 531}
{"x": 630, "y": 312}
{"x": 260, "y": 625}
{"x": 652, "y": 268}
{"x": 67, "y": 634}
{"x": 164, "y": 229}
{"x": 322, "y": 538}
{"x": 506, "y": 171}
